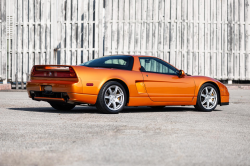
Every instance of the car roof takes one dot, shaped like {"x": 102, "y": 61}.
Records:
{"x": 131, "y": 55}
{"x": 139, "y": 56}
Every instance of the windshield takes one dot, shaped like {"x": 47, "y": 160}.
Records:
{"x": 117, "y": 62}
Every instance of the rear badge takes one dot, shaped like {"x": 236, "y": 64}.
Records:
{"x": 50, "y": 74}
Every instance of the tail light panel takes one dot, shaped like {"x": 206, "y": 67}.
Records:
{"x": 53, "y": 72}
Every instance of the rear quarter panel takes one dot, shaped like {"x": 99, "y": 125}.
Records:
{"x": 99, "y": 76}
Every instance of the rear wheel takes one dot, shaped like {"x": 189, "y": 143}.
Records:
{"x": 207, "y": 98}
{"x": 62, "y": 106}
{"x": 112, "y": 98}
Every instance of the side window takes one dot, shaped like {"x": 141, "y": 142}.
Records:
{"x": 155, "y": 65}
{"x": 116, "y": 61}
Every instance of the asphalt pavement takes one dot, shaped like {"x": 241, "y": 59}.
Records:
{"x": 32, "y": 133}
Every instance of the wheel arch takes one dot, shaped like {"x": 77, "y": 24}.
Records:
{"x": 217, "y": 87}
{"x": 123, "y": 84}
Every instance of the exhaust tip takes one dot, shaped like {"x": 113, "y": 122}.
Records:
{"x": 65, "y": 97}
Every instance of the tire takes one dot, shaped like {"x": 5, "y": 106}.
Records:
{"x": 62, "y": 106}
{"x": 157, "y": 107}
{"x": 207, "y": 99}
{"x": 111, "y": 98}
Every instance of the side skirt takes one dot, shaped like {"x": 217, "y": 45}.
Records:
{"x": 146, "y": 101}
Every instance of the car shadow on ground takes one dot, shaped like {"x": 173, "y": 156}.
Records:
{"x": 165, "y": 109}
{"x": 76, "y": 110}
{"x": 92, "y": 109}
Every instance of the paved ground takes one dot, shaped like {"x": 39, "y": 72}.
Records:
{"x": 32, "y": 133}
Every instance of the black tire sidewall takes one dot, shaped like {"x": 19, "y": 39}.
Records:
{"x": 101, "y": 103}
{"x": 198, "y": 103}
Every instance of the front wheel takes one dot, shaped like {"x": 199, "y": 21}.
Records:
{"x": 207, "y": 98}
{"x": 112, "y": 98}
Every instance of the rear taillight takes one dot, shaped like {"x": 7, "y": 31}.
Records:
{"x": 32, "y": 71}
{"x": 35, "y": 73}
{"x": 55, "y": 72}
{"x": 72, "y": 72}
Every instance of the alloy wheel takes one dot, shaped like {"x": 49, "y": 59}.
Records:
{"x": 114, "y": 97}
{"x": 208, "y": 97}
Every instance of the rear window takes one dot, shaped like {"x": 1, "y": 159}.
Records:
{"x": 117, "y": 62}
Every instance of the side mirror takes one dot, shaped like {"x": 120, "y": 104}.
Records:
{"x": 181, "y": 73}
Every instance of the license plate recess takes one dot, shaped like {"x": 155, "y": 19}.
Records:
{"x": 47, "y": 88}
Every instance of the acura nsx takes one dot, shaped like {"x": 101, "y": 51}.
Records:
{"x": 113, "y": 82}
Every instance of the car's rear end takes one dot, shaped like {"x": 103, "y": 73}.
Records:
{"x": 56, "y": 83}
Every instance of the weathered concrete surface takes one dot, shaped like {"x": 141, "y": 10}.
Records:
{"x": 33, "y": 133}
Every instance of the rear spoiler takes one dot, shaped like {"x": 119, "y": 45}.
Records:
{"x": 58, "y": 71}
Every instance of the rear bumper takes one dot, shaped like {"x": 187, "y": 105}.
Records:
{"x": 82, "y": 98}
{"x": 72, "y": 86}
{"x": 72, "y": 98}
{"x": 69, "y": 91}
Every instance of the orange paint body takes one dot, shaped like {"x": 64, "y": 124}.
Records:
{"x": 145, "y": 88}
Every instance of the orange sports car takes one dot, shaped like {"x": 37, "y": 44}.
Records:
{"x": 112, "y": 82}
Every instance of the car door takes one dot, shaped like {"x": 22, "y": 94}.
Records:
{"x": 163, "y": 83}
